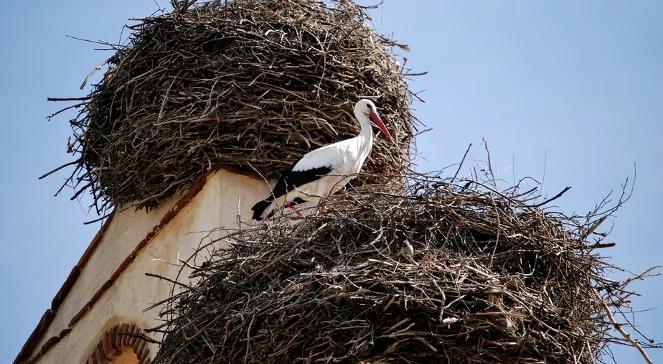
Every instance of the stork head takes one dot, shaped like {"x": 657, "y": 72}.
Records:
{"x": 367, "y": 108}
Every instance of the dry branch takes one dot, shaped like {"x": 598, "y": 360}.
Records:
{"x": 491, "y": 278}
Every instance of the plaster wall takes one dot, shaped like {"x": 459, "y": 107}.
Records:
{"x": 224, "y": 195}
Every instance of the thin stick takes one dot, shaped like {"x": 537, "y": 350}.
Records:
{"x": 554, "y": 197}
{"x": 460, "y": 165}
{"x": 55, "y": 99}
{"x": 625, "y": 334}
{"x": 58, "y": 168}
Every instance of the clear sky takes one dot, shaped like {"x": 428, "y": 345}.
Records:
{"x": 571, "y": 88}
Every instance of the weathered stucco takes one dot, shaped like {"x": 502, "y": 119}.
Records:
{"x": 223, "y": 196}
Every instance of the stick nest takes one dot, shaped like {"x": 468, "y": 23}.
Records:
{"x": 493, "y": 278}
{"x": 248, "y": 83}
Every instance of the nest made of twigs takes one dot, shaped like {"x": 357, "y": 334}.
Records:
{"x": 247, "y": 83}
{"x": 493, "y": 278}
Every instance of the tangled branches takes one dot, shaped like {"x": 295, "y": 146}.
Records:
{"x": 491, "y": 277}
{"x": 247, "y": 83}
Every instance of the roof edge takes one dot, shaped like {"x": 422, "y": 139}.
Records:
{"x": 48, "y": 316}
{"x": 30, "y": 346}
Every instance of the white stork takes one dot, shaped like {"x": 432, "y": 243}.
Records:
{"x": 325, "y": 170}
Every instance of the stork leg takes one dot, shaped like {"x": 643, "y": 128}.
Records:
{"x": 291, "y": 205}
{"x": 322, "y": 207}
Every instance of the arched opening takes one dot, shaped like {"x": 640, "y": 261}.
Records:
{"x": 121, "y": 344}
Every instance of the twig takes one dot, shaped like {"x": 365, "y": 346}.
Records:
{"x": 59, "y": 168}
{"x": 553, "y": 198}
{"x": 460, "y": 165}
{"x": 624, "y": 334}
{"x": 56, "y": 99}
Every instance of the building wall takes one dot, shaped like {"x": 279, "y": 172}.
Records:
{"x": 223, "y": 196}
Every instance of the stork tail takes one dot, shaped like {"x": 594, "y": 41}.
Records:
{"x": 260, "y": 207}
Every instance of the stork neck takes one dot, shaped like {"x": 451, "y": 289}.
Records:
{"x": 366, "y": 128}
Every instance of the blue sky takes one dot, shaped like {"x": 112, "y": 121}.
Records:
{"x": 574, "y": 89}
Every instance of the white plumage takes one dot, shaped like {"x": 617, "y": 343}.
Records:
{"x": 327, "y": 169}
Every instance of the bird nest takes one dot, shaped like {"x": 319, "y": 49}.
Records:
{"x": 248, "y": 83}
{"x": 491, "y": 277}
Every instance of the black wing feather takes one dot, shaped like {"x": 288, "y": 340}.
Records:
{"x": 288, "y": 183}
{"x": 295, "y": 179}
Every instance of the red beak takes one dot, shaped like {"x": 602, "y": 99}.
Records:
{"x": 376, "y": 119}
